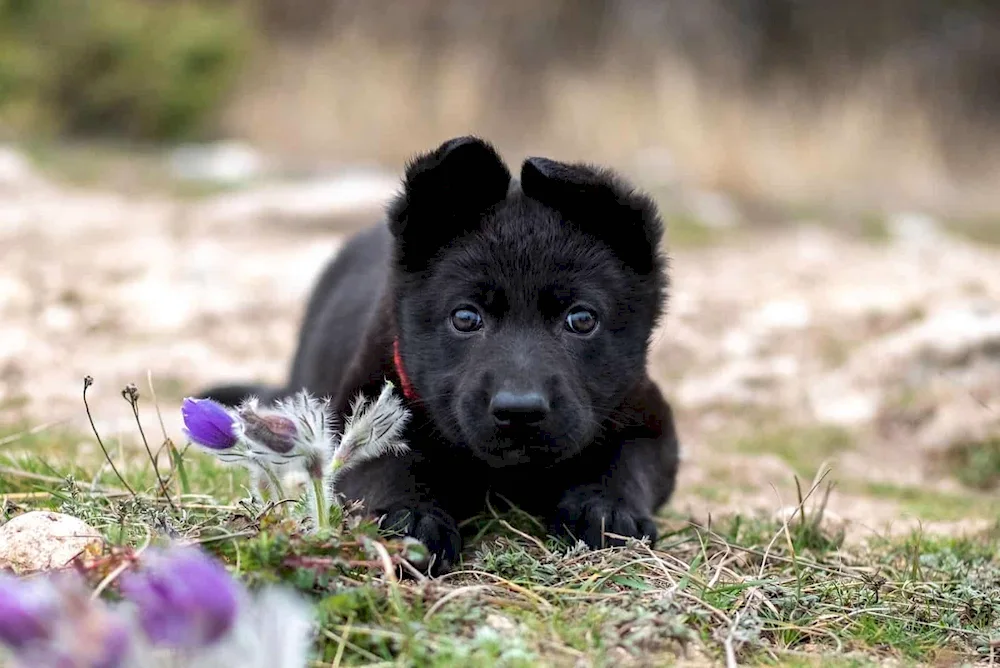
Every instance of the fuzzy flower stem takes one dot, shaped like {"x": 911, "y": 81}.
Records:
{"x": 320, "y": 503}
{"x": 279, "y": 492}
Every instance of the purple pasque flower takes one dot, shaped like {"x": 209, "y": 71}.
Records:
{"x": 185, "y": 599}
{"x": 28, "y": 609}
{"x": 209, "y": 424}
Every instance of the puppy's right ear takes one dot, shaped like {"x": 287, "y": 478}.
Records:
{"x": 445, "y": 194}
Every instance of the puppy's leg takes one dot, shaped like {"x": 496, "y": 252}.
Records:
{"x": 623, "y": 497}
{"x": 401, "y": 492}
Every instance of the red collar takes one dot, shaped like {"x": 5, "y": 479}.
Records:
{"x": 404, "y": 380}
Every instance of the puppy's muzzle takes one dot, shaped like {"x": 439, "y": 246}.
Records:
{"x": 519, "y": 409}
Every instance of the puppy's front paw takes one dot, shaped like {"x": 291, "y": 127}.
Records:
{"x": 433, "y": 527}
{"x": 590, "y": 513}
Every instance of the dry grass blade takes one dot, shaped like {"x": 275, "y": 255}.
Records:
{"x": 453, "y": 594}
{"x": 14, "y": 438}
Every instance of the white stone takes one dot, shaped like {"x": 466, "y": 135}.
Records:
{"x": 741, "y": 382}
{"x": 947, "y": 336}
{"x": 43, "y": 540}
{"x": 502, "y": 624}
{"x": 13, "y": 342}
{"x": 915, "y": 229}
{"x": 715, "y": 210}
{"x": 59, "y": 318}
{"x": 351, "y": 193}
{"x": 657, "y": 166}
{"x": 223, "y": 162}
{"x": 794, "y": 514}
{"x": 836, "y": 400}
{"x": 740, "y": 343}
{"x": 13, "y": 293}
{"x": 783, "y": 314}
{"x": 15, "y": 171}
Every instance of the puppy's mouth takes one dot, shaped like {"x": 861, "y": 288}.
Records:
{"x": 512, "y": 446}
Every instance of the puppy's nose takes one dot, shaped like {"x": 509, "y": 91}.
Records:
{"x": 518, "y": 408}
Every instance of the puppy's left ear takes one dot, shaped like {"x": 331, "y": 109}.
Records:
{"x": 446, "y": 193}
{"x": 600, "y": 204}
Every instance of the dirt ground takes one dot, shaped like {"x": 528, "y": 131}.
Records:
{"x": 785, "y": 350}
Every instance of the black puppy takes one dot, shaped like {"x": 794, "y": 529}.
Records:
{"x": 515, "y": 317}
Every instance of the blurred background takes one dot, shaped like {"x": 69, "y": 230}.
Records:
{"x": 174, "y": 173}
{"x": 869, "y": 103}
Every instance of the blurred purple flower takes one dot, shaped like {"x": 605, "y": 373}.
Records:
{"x": 27, "y": 611}
{"x": 52, "y": 621}
{"x": 209, "y": 424}
{"x": 185, "y": 598}
{"x": 114, "y": 647}
{"x": 91, "y": 637}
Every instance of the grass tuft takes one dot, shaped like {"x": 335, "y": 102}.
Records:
{"x": 977, "y": 464}
{"x": 742, "y": 588}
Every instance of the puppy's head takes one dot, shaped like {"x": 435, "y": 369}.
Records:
{"x": 524, "y": 309}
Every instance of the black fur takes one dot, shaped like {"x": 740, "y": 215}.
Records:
{"x": 603, "y": 458}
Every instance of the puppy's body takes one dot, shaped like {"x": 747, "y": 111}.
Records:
{"x": 522, "y": 313}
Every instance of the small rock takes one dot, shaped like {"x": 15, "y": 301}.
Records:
{"x": 42, "y": 540}
{"x": 501, "y": 624}
{"x": 835, "y": 400}
{"x": 223, "y": 162}
{"x": 830, "y": 524}
{"x": 793, "y": 515}
{"x": 741, "y": 382}
{"x": 715, "y": 210}
{"x": 657, "y": 165}
{"x": 915, "y": 229}
{"x": 15, "y": 171}
{"x": 59, "y": 318}
{"x": 783, "y": 314}
{"x": 954, "y": 335}
{"x": 305, "y": 201}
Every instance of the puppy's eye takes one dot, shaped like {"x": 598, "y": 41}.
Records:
{"x": 466, "y": 320}
{"x": 581, "y": 320}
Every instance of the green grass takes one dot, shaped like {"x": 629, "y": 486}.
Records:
{"x": 873, "y": 227}
{"x": 804, "y": 448}
{"x": 746, "y": 586}
{"x": 934, "y": 505}
{"x": 984, "y": 230}
{"x": 688, "y": 231}
{"x": 976, "y": 464}
{"x": 116, "y": 166}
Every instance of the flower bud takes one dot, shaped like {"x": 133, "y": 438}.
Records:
{"x": 275, "y": 432}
